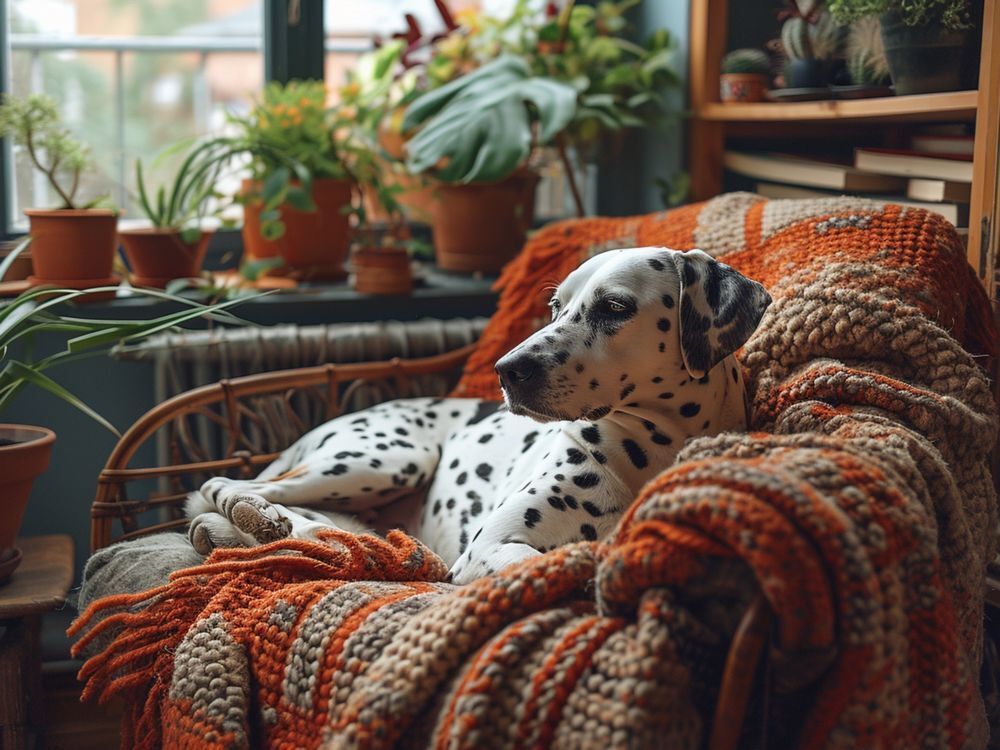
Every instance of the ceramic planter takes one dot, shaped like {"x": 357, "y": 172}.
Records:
{"x": 923, "y": 59}
{"x": 381, "y": 271}
{"x": 315, "y": 243}
{"x": 806, "y": 74}
{"x": 478, "y": 227}
{"x": 73, "y": 248}
{"x": 24, "y": 456}
{"x": 158, "y": 256}
{"x": 742, "y": 87}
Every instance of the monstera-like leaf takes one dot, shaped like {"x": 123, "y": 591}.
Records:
{"x": 478, "y": 127}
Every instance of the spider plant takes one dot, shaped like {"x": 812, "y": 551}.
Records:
{"x": 38, "y": 311}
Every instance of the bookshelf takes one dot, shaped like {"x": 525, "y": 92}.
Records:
{"x": 712, "y": 124}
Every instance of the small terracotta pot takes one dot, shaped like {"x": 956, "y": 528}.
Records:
{"x": 480, "y": 226}
{"x": 72, "y": 244}
{"x": 24, "y": 456}
{"x": 158, "y": 256}
{"x": 21, "y": 268}
{"x": 380, "y": 270}
{"x": 742, "y": 87}
{"x": 315, "y": 243}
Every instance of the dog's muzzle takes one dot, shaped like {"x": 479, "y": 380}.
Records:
{"x": 522, "y": 377}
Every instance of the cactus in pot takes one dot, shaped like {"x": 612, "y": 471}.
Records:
{"x": 744, "y": 75}
{"x": 811, "y": 39}
{"x": 865, "y": 53}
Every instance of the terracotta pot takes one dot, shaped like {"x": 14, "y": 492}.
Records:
{"x": 24, "y": 455}
{"x": 72, "y": 244}
{"x": 315, "y": 243}
{"x": 481, "y": 226}
{"x": 381, "y": 271}
{"x": 158, "y": 256}
{"x": 742, "y": 87}
{"x": 21, "y": 268}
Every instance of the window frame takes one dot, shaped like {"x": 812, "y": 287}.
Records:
{"x": 293, "y": 46}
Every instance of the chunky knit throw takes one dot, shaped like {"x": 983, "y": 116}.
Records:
{"x": 861, "y": 506}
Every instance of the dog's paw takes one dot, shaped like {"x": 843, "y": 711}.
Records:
{"x": 210, "y": 530}
{"x": 255, "y": 516}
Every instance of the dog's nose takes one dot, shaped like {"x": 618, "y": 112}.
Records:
{"x": 517, "y": 370}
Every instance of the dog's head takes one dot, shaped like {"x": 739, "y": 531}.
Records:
{"x": 625, "y": 319}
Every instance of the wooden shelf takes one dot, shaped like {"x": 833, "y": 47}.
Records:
{"x": 952, "y": 105}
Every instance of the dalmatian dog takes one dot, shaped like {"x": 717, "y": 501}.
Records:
{"x": 638, "y": 357}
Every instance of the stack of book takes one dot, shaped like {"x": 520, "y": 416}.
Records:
{"x": 934, "y": 173}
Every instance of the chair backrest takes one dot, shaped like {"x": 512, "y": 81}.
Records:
{"x": 235, "y": 427}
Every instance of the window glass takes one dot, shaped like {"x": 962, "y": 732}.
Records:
{"x": 131, "y": 77}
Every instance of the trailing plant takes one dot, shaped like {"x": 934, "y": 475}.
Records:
{"x": 482, "y": 127}
{"x": 34, "y": 124}
{"x": 865, "y": 53}
{"x": 35, "y": 312}
{"x": 952, "y": 14}
{"x": 746, "y": 61}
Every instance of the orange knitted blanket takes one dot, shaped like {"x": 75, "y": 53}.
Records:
{"x": 861, "y": 506}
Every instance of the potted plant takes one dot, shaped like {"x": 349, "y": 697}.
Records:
{"x": 475, "y": 136}
{"x": 73, "y": 245}
{"x": 293, "y": 122}
{"x": 811, "y": 39}
{"x": 25, "y": 449}
{"x": 173, "y": 247}
{"x": 925, "y": 40}
{"x": 867, "y": 65}
{"x": 744, "y": 75}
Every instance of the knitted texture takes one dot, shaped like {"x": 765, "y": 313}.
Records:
{"x": 861, "y": 505}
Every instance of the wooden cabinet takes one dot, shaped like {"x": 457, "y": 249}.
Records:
{"x": 712, "y": 122}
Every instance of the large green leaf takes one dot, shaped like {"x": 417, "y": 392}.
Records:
{"x": 479, "y": 127}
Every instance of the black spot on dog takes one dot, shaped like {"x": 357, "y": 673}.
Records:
{"x": 575, "y": 456}
{"x": 736, "y": 378}
{"x": 599, "y": 457}
{"x": 690, "y": 274}
{"x": 571, "y": 502}
{"x": 462, "y": 478}
{"x": 463, "y": 540}
{"x": 348, "y": 454}
{"x": 476, "y": 508}
{"x": 690, "y": 409}
{"x": 409, "y": 469}
{"x": 402, "y": 444}
{"x": 325, "y": 438}
{"x": 559, "y": 477}
{"x": 626, "y": 391}
{"x": 380, "y": 434}
{"x": 402, "y": 431}
{"x": 591, "y": 434}
{"x": 694, "y": 337}
{"x": 483, "y": 409}
{"x": 450, "y": 505}
{"x": 668, "y": 301}
{"x": 706, "y": 423}
{"x": 589, "y": 532}
{"x": 623, "y": 377}
{"x": 486, "y": 438}
{"x": 657, "y": 380}
{"x": 635, "y": 454}
{"x": 375, "y": 463}
{"x": 656, "y": 265}
{"x": 663, "y": 347}
{"x": 586, "y": 480}
{"x": 592, "y": 509}
{"x": 336, "y": 470}
{"x": 579, "y": 367}
{"x": 556, "y": 502}
{"x": 483, "y": 471}
{"x": 666, "y": 394}
{"x": 437, "y": 507}
{"x": 660, "y": 439}
{"x": 577, "y": 317}
{"x": 382, "y": 446}
{"x": 594, "y": 384}
{"x": 359, "y": 420}
{"x": 663, "y": 324}
{"x": 561, "y": 356}
{"x": 453, "y": 464}
{"x": 531, "y": 517}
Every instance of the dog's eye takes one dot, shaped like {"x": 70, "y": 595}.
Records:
{"x": 615, "y": 306}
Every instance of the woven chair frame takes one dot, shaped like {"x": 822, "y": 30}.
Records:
{"x": 230, "y": 406}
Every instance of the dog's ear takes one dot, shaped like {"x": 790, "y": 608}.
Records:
{"x": 719, "y": 308}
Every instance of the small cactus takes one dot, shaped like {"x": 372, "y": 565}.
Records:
{"x": 819, "y": 40}
{"x": 865, "y": 54}
{"x": 746, "y": 61}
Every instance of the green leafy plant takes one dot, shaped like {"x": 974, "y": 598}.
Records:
{"x": 746, "y": 61}
{"x": 34, "y": 124}
{"x": 952, "y": 14}
{"x": 36, "y": 312}
{"x": 480, "y": 127}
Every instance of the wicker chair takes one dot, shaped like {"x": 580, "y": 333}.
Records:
{"x": 237, "y": 426}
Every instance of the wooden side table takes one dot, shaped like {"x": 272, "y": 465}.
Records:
{"x": 39, "y": 585}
